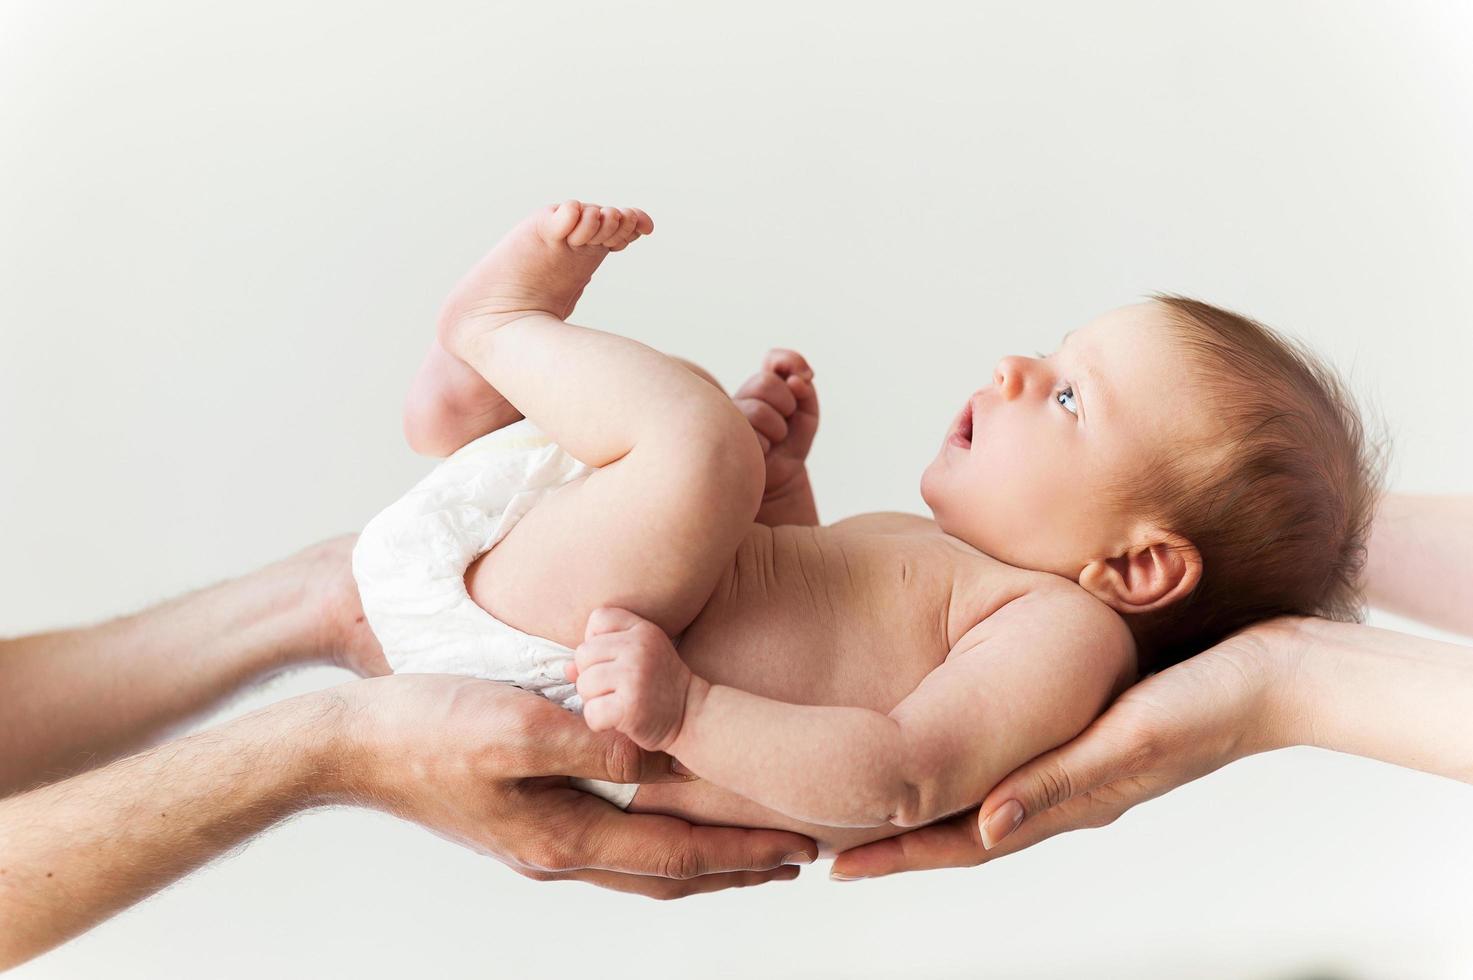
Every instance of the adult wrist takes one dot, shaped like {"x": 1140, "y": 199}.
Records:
{"x": 325, "y": 769}
{"x": 1298, "y": 650}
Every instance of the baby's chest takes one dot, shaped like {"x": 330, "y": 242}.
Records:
{"x": 818, "y": 618}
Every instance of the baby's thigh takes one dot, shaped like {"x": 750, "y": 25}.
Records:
{"x": 651, "y": 532}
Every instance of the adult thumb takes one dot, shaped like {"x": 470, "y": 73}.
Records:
{"x": 566, "y": 747}
{"x": 1047, "y": 781}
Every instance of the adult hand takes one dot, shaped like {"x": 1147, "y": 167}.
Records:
{"x": 1171, "y": 728}
{"x": 340, "y": 635}
{"x": 487, "y": 766}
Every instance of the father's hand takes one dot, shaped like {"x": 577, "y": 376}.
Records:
{"x": 487, "y": 766}
{"x": 1171, "y": 728}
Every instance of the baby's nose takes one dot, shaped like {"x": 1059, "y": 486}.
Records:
{"x": 1009, "y": 376}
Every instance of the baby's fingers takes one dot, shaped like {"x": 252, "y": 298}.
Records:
{"x": 804, "y": 395}
{"x": 594, "y": 651}
{"x": 786, "y": 362}
{"x": 769, "y": 388}
{"x": 603, "y": 713}
{"x": 765, "y": 421}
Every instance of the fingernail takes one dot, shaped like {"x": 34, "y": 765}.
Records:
{"x": 1001, "y": 822}
{"x": 835, "y": 876}
{"x": 798, "y": 857}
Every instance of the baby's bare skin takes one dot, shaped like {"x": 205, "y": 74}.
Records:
{"x": 857, "y": 614}
{"x": 872, "y": 614}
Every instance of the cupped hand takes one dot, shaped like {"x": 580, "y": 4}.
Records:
{"x": 337, "y": 630}
{"x": 781, "y": 405}
{"x": 487, "y": 766}
{"x": 1171, "y": 728}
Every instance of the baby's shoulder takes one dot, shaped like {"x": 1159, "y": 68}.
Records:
{"x": 1047, "y": 611}
{"x": 887, "y": 522}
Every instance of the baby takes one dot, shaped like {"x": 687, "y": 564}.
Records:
{"x": 1170, "y": 474}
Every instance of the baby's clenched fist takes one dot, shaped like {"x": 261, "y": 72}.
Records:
{"x": 630, "y": 678}
{"x": 781, "y": 405}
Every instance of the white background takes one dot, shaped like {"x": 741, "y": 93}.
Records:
{"x": 225, "y": 233}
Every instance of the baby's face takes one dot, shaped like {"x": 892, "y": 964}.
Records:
{"x": 1030, "y": 469}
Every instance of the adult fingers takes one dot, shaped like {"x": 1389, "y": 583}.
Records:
{"x": 957, "y": 842}
{"x": 1093, "y": 758}
{"x": 665, "y": 889}
{"x": 604, "y": 837}
{"x": 555, "y": 742}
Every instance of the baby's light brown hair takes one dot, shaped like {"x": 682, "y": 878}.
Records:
{"x": 1281, "y": 513}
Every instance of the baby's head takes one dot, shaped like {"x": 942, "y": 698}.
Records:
{"x": 1188, "y": 466}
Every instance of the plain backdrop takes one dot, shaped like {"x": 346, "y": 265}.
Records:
{"x": 225, "y": 230}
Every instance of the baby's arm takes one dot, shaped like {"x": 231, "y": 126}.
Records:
{"x": 782, "y": 406}
{"x": 1029, "y": 678}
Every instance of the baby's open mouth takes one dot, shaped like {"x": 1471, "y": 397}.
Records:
{"x": 962, "y": 434}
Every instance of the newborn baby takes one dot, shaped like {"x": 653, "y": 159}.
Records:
{"x": 1171, "y": 473}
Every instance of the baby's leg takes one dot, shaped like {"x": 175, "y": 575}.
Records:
{"x": 679, "y": 475}
{"x": 449, "y": 404}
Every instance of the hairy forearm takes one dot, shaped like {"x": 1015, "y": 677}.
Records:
{"x": 1384, "y": 695}
{"x": 1417, "y": 560}
{"x": 76, "y": 852}
{"x": 75, "y": 699}
{"x": 835, "y": 766}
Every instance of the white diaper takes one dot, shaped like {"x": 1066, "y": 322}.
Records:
{"x": 410, "y": 564}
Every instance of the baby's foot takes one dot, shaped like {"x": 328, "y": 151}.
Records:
{"x": 541, "y": 266}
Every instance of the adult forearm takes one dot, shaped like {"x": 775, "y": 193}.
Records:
{"x": 1385, "y": 695}
{"x": 1417, "y": 560}
{"x": 78, "y": 851}
{"x": 78, "y": 698}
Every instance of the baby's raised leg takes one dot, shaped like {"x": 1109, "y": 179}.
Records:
{"x": 679, "y": 475}
{"x": 449, "y": 403}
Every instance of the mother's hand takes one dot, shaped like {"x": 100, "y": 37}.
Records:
{"x": 1175, "y": 726}
{"x": 487, "y": 766}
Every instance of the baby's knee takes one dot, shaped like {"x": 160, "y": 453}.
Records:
{"x": 724, "y": 460}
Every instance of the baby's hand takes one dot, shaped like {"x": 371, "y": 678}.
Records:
{"x": 631, "y": 679}
{"x": 780, "y": 403}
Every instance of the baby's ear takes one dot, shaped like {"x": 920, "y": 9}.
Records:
{"x": 1161, "y": 569}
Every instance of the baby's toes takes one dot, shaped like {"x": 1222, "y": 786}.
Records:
{"x": 628, "y": 223}
{"x": 608, "y": 227}
{"x": 589, "y": 223}
{"x": 560, "y": 221}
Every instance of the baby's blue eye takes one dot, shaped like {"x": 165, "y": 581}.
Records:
{"x": 1065, "y": 396}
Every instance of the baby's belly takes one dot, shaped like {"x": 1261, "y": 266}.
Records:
{"x": 809, "y": 618}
